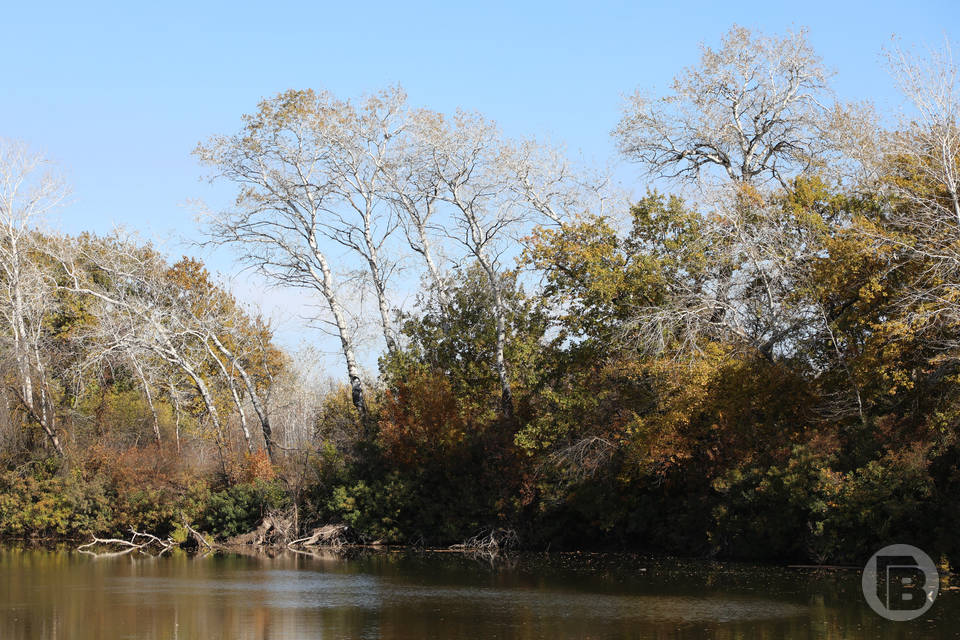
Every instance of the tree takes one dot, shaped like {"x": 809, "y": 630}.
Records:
{"x": 237, "y": 344}
{"x": 288, "y": 203}
{"x": 754, "y": 109}
{"x": 494, "y": 190}
{"x": 464, "y": 156}
{"x": 138, "y": 309}
{"x": 414, "y": 191}
{"x": 29, "y": 191}
{"x": 927, "y": 141}
{"x": 920, "y": 177}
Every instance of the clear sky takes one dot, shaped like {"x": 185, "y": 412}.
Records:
{"x": 120, "y": 93}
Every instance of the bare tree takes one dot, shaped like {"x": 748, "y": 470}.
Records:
{"x": 928, "y": 138}
{"x": 465, "y": 158}
{"x": 230, "y": 381}
{"x": 28, "y": 192}
{"x": 232, "y": 343}
{"x": 755, "y": 109}
{"x": 494, "y": 189}
{"x": 413, "y": 188}
{"x": 309, "y": 169}
{"x": 544, "y": 179}
{"x": 921, "y": 177}
{"x": 138, "y": 310}
{"x": 359, "y": 138}
{"x": 313, "y": 171}
{"x": 144, "y": 375}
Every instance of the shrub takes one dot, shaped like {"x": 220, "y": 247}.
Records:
{"x": 884, "y": 502}
{"x": 776, "y": 512}
{"x": 240, "y": 508}
{"x": 41, "y": 504}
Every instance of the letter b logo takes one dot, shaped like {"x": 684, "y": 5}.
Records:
{"x": 900, "y": 582}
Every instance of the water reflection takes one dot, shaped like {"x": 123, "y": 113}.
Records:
{"x": 63, "y": 595}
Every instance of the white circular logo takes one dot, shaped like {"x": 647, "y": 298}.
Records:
{"x": 900, "y": 582}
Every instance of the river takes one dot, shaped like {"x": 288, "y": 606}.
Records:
{"x": 51, "y": 595}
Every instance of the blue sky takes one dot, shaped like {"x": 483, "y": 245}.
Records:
{"x": 119, "y": 94}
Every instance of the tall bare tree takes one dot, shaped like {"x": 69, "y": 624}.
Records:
{"x": 359, "y": 140}
{"x": 493, "y": 190}
{"x": 756, "y": 109}
{"x": 465, "y": 156}
{"x": 413, "y": 188}
{"x": 279, "y": 162}
{"x": 928, "y": 136}
{"x": 920, "y": 174}
{"x": 310, "y": 170}
{"x": 29, "y": 191}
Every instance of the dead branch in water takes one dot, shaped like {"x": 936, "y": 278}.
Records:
{"x": 197, "y": 536}
{"x": 139, "y": 541}
{"x": 331, "y": 536}
{"x": 490, "y": 544}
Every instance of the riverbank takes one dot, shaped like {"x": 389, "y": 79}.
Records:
{"x": 105, "y": 497}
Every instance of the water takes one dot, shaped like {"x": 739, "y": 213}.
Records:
{"x": 64, "y": 595}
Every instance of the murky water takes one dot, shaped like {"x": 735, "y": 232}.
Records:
{"x": 64, "y": 595}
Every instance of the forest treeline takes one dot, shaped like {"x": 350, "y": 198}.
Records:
{"x": 758, "y": 359}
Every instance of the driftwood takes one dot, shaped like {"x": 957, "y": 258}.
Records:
{"x": 490, "y": 543}
{"x": 332, "y": 536}
{"x": 197, "y": 536}
{"x": 139, "y": 541}
{"x": 275, "y": 529}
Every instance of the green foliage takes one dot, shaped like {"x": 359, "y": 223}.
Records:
{"x": 458, "y": 341}
{"x": 373, "y": 511}
{"x": 777, "y": 512}
{"x": 240, "y": 508}
{"x": 42, "y": 504}
{"x": 598, "y": 279}
{"x": 887, "y": 499}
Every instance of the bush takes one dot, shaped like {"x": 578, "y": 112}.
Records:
{"x": 240, "y": 508}
{"x": 40, "y": 504}
{"x": 375, "y": 511}
{"x": 776, "y": 512}
{"x": 884, "y": 502}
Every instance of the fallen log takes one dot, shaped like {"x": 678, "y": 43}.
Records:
{"x": 197, "y": 536}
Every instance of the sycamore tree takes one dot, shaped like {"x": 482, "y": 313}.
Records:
{"x": 755, "y": 109}
{"x": 29, "y": 192}
{"x": 753, "y": 124}
{"x": 921, "y": 178}
{"x": 493, "y": 190}
{"x": 138, "y": 310}
{"x": 306, "y": 168}
{"x": 237, "y": 345}
{"x": 926, "y": 143}
{"x": 315, "y": 174}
